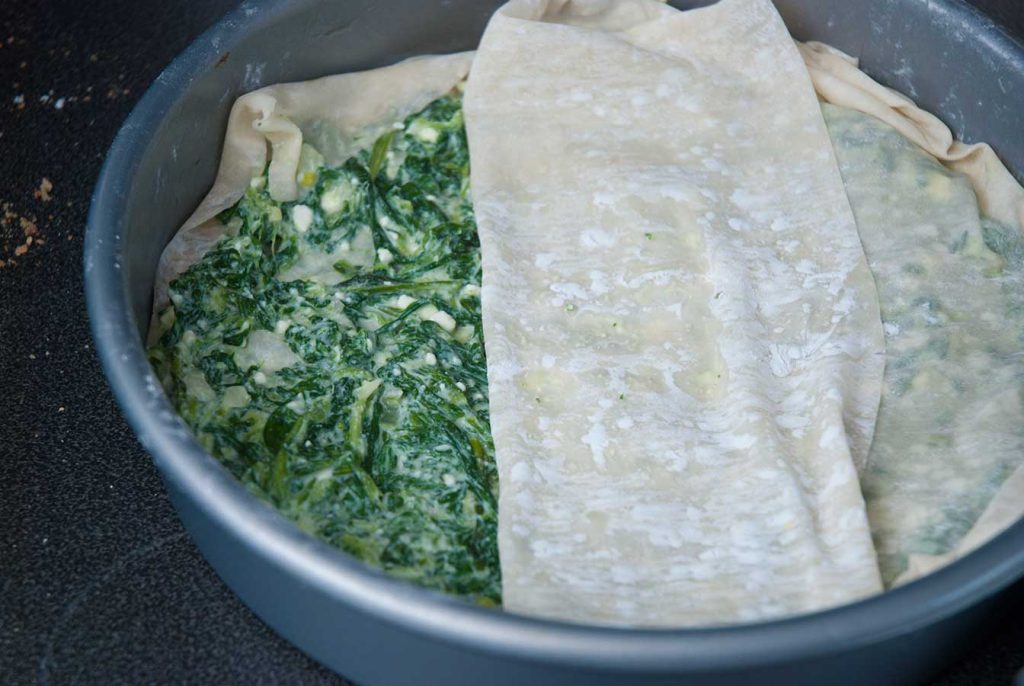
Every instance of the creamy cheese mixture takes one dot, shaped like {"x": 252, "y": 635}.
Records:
{"x": 329, "y": 353}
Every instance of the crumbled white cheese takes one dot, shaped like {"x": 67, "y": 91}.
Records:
{"x": 403, "y": 301}
{"x": 430, "y": 358}
{"x": 330, "y": 201}
{"x": 464, "y": 333}
{"x": 333, "y": 199}
{"x": 368, "y": 324}
{"x": 384, "y": 255}
{"x": 235, "y": 396}
{"x": 196, "y": 386}
{"x": 445, "y": 320}
{"x": 302, "y": 217}
{"x": 424, "y": 132}
{"x": 430, "y": 313}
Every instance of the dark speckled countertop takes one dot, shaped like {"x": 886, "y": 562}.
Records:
{"x": 98, "y": 581}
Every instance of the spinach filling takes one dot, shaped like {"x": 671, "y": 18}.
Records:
{"x": 329, "y": 353}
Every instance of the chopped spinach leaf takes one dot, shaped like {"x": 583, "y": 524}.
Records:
{"x": 335, "y": 365}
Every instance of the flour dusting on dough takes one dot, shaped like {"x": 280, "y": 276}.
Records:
{"x": 692, "y": 457}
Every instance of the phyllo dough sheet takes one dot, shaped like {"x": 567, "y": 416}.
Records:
{"x": 684, "y": 344}
{"x": 337, "y": 115}
{"x": 948, "y": 245}
{"x": 950, "y": 427}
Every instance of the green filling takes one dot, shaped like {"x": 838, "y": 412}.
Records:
{"x": 329, "y": 353}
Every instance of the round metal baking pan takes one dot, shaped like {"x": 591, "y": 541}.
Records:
{"x": 378, "y": 630}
